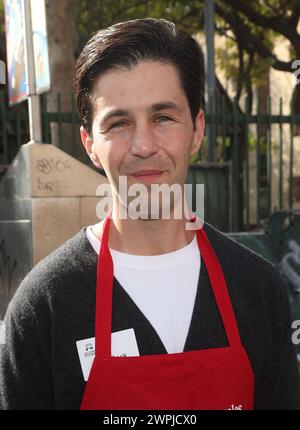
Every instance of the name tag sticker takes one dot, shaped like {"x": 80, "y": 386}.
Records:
{"x": 123, "y": 344}
{"x": 86, "y": 352}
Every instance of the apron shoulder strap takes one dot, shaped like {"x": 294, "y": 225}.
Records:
{"x": 219, "y": 288}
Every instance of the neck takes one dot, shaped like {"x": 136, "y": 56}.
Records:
{"x": 148, "y": 237}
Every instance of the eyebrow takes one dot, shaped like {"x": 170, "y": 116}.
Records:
{"x": 156, "y": 107}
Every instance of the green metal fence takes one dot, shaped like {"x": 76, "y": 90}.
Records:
{"x": 242, "y": 139}
{"x": 265, "y": 136}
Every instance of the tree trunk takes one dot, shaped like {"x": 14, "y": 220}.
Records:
{"x": 62, "y": 39}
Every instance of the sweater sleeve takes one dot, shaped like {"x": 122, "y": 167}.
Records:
{"x": 25, "y": 359}
{"x": 287, "y": 392}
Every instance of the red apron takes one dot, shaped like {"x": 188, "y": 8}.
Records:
{"x": 215, "y": 378}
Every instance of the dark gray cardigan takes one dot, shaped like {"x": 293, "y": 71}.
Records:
{"x": 55, "y": 306}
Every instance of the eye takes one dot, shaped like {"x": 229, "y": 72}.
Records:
{"x": 117, "y": 125}
{"x": 164, "y": 118}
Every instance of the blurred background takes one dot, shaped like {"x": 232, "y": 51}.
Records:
{"x": 249, "y": 161}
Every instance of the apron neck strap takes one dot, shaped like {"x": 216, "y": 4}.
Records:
{"x": 104, "y": 289}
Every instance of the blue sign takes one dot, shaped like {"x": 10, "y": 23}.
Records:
{"x": 15, "y": 48}
{"x": 40, "y": 46}
{"x": 17, "y": 65}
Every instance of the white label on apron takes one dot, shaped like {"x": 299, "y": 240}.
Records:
{"x": 123, "y": 344}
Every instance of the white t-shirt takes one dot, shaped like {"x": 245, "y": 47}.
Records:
{"x": 162, "y": 286}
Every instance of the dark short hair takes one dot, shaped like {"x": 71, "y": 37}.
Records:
{"x": 128, "y": 43}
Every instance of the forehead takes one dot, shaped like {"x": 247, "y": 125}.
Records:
{"x": 139, "y": 87}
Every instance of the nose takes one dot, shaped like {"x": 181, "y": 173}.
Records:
{"x": 143, "y": 142}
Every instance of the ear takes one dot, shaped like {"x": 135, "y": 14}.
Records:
{"x": 198, "y": 133}
{"x": 89, "y": 147}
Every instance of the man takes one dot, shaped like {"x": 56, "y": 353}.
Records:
{"x": 172, "y": 317}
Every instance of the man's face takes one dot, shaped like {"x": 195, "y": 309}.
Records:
{"x": 151, "y": 128}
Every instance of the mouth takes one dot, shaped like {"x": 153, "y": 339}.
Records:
{"x": 148, "y": 176}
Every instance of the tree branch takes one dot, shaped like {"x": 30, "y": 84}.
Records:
{"x": 249, "y": 41}
{"x": 285, "y": 26}
{"x": 223, "y": 32}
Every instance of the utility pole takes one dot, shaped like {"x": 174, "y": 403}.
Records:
{"x": 2, "y": 73}
{"x": 210, "y": 78}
